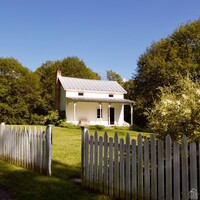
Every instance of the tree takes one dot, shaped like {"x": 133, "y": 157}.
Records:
{"x": 113, "y": 76}
{"x": 164, "y": 62}
{"x": 129, "y": 87}
{"x": 10, "y": 70}
{"x": 177, "y": 111}
{"x": 20, "y": 95}
{"x": 71, "y": 67}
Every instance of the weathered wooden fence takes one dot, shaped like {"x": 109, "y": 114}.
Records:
{"x": 146, "y": 169}
{"x": 26, "y": 147}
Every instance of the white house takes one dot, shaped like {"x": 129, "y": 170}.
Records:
{"x": 91, "y": 101}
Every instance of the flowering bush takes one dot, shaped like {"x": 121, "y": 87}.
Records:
{"x": 178, "y": 111}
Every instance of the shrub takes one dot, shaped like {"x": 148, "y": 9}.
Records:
{"x": 134, "y": 127}
{"x": 68, "y": 125}
{"x": 37, "y": 119}
{"x": 97, "y": 127}
{"x": 178, "y": 111}
{"x": 52, "y": 118}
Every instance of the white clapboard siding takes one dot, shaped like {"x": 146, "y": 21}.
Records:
{"x": 26, "y": 147}
{"x": 142, "y": 169}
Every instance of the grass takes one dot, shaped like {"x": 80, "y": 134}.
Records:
{"x": 25, "y": 184}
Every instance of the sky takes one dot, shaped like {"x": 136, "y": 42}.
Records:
{"x": 105, "y": 34}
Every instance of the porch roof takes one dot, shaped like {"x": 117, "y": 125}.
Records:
{"x": 101, "y": 100}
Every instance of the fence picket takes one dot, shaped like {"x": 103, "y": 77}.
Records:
{"x": 86, "y": 159}
{"x": 40, "y": 150}
{"x": 168, "y": 168}
{"x": 121, "y": 174}
{"x": 83, "y": 130}
{"x": 160, "y": 170}
{"x": 101, "y": 164}
{"x": 128, "y": 172}
{"x": 44, "y": 152}
{"x": 26, "y": 148}
{"x": 146, "y": 170}
{"x": 91, "y": 180}
{"x": 20, "y": 149}
{"x": 153, "y": 168}
{"x": 116, "y": 167}
{"x": 134, "y": 170}
{"x": 110, "y": 167}
{"x": 184, "y": 161}
{"x": 176, "y": 166}
{"x": 193, "y": 166}
{"x": 96, "y": 161}
{"x": 140, "y": 167}
{"x": 23, "y": 148}
{"x": 105, "y": 167}
{"x": 199, "y": 163}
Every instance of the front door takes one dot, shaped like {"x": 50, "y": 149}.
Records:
{"x": 112, "y": 116}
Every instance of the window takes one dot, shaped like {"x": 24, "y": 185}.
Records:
{"x": 99, "y": 113}
{"x": 110, "y": 95}
{"x": 80, "y": 94}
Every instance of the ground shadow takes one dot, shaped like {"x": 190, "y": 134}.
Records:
{"x": 25, "y": 184}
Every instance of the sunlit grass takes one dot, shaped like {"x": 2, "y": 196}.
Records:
{"x": 66, "y": 164}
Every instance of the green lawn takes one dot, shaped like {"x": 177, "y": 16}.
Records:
{"x": 25, "y": 184}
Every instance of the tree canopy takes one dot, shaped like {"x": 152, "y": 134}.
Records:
{"x": 20, "y": 93}
{"x": 25, "y": 96}
{"x": 164, "y": 62}
{"x": 71, "y": 67}
{"x": 113, "y": 76}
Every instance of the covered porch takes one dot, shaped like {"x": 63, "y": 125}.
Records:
{"x": 101, "y": 111}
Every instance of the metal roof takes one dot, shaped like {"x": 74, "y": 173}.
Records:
{"x": 101, "y": 100}
{"x": 80, "y": 84}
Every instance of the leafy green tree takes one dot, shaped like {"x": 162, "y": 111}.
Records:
{"x": 164, "y": 62}
{"x": 113, "y": 76}
{"x": 20, "y": 94}
{"x": 10, "y": 70}
{"x": 177, "y": 112}
{"x": 129, "y": 87}
{"x": 74, "y": 67}
{"x": 71, "y": 67}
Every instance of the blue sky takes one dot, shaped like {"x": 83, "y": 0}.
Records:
{"x": 105, "y": 34}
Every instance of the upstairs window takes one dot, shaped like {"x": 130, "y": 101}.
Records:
{"x": 99, "y": 113}
{"x": 111, "y": 95}
{"x": 80, "y": 94}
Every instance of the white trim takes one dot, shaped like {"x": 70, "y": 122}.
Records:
{"x": 131, "y": 114}
{"x": 74, "y": 112}
{"x": 108, "y": 114}
{"x": 100, "y": 113}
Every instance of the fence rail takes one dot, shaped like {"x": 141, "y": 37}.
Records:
{"x": 146, "y": 169}
{"x": 26, "y": 147}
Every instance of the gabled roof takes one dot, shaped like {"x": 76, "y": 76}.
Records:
{"x": 80, "y": 84}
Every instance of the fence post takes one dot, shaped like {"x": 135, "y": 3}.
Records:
{"x": 83, "y": 131}
{"x": 2, "y": 126}
{"x": 49, "y": 148}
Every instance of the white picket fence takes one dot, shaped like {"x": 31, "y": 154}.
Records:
{"x": 26, "y": 147}
{"x": 142, "y": 169}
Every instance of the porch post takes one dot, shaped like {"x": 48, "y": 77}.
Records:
{"x": 100, "y": 112}
{"x": 74, "y": 112}
{"x": 131, "y": 114}
{"x": 108, "y": 114}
